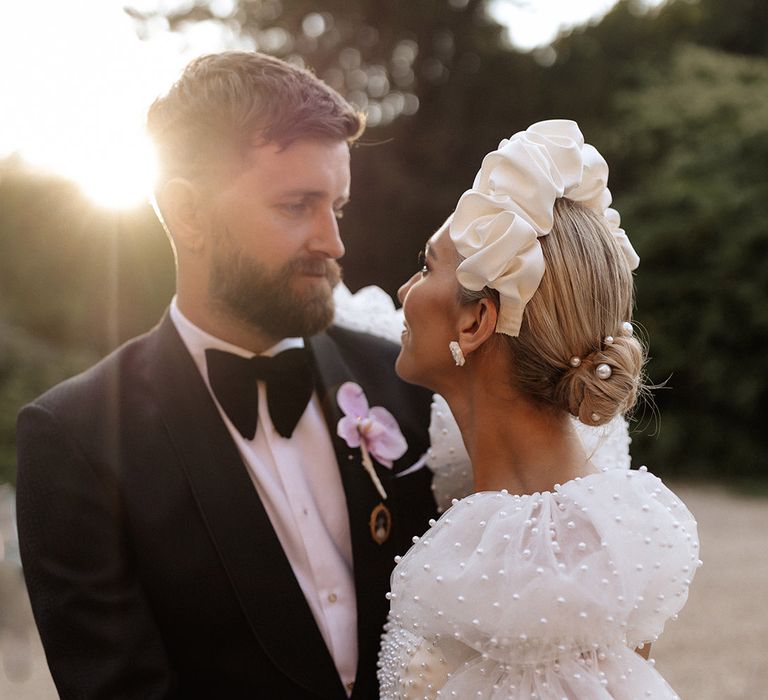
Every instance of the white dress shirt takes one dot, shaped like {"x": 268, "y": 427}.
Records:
{"x": 298, "y": 481}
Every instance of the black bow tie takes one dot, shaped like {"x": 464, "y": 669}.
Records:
{"x": 288, "y": 377}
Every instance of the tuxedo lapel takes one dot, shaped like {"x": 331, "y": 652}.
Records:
{"x": 239, "y": 526}
{"x": 372, "y": 561}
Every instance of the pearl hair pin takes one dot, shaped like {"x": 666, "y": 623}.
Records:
{"x": 603, "y": 371}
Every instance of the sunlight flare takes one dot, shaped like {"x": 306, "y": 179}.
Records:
{"x": 77, "y": 97}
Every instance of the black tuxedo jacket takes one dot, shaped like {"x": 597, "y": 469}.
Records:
{"x": 152, "y": 566}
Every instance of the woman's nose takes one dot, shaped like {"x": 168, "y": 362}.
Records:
{"x": 403, "y": 291}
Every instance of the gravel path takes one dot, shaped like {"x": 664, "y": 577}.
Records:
{"x": 715, "y": 651}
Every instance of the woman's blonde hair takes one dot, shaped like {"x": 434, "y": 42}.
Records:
{"x": 586, "y": 295}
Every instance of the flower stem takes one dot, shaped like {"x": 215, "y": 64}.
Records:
{"x": 371, "y": 471}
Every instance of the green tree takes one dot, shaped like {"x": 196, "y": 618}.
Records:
{"x": 73, "y": 274}
{"x": 28, "y": 366}
{"x": 696, "y": 138}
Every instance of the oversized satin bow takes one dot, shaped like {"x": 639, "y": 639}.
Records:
{"x": 289, "y": 382}
{"x": 497, "y": 223}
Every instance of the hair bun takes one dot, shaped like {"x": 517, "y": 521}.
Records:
{"x": 604, "y": 383}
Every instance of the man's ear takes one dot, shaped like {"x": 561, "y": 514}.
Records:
{"x": 180, "y": 202}
{"x": 477, "y": 324}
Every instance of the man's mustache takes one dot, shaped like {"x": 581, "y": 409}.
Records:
{"x": 326, "y": 267}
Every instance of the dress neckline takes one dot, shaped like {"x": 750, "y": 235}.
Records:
{"x": 557, "y": 487}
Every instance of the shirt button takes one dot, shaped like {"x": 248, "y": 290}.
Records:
{"x": 332, "y": 597}
{"x": 351, "y": 686}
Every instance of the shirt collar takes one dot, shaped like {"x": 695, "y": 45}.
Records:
{"x": 198, "y": 341}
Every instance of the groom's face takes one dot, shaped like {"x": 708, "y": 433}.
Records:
{"x": 275, "y": 237}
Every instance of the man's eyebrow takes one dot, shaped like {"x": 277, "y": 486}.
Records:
{"x": 302, "y": 193}
{"x": 313, "y": 194}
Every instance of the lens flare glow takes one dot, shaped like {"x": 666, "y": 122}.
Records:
{"x": 75, "y": 98}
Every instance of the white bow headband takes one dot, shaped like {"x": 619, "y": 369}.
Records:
{"x": 497, "y": 223}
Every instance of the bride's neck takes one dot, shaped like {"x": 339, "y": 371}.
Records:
{"x": 513, "y": 443}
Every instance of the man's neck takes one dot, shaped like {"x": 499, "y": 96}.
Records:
{"x": 226, "y": 327}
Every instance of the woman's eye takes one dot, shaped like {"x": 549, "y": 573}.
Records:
{"x": 422, "y": 262}
{"x": 339, "y": 213}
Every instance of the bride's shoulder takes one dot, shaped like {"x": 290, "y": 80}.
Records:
{"x": 623, "y": 534}
{"x": 630, "y": 517}
{"x": 606, "y": 493}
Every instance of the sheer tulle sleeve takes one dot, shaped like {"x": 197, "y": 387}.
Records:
{"x": 547, "y": 580}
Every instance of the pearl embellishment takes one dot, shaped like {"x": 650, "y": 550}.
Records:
{"x": 538, "y": 538}
{"x": 603, "y": 371}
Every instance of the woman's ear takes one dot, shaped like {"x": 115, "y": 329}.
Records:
{"x": 180, "y": 202}
{"x": 477, "y": 324}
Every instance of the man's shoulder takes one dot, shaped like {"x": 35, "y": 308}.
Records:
{"x": 99, "y": 380}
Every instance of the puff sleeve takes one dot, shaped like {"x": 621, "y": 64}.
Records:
{"x": 517, "y": 585}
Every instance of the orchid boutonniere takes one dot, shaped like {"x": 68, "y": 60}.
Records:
{"x": 373, "y": 429}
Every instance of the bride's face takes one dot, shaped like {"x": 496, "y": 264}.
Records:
{"x": 430, "y": 303}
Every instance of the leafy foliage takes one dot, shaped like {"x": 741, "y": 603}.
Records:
{"x": 697, "y": 136}
{"x": 28, "y": 366}
{"x": 75, "y": 282}
{"x": 75, "y": 275}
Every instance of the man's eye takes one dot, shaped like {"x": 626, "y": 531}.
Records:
{"x": 294, "y": 208}
{"x": 339, "y": 213}
{"x": 422, "y": 262}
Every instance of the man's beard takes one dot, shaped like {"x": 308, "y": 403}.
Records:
{"x": 268, "y": 301}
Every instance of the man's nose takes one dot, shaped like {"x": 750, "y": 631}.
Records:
{"x": 327, "y": 239}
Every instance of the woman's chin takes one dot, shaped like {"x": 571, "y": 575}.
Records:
{"x": 408, "y": 371}
{"x": 404, "y": 367}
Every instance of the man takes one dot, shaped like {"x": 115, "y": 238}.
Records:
{"x": 182, "y": 535}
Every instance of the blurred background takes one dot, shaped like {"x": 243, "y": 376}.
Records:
{"x": 674, "y": 94}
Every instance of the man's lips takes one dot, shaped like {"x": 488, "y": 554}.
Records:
{"x": 314, "y": 270}
{"x": 318, "y": 269}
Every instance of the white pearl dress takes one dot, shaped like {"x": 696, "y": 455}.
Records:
{"x": 543, "y": 596}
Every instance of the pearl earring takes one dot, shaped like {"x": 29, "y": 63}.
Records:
{"x": 458, "y": 355}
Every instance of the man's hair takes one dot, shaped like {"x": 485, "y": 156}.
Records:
{"x": 224, "y": 102}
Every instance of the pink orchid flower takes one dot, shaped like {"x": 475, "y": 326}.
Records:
{"x": 373, "y": 429}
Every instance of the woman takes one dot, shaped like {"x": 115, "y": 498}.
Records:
{"x": 545, "y": 582}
